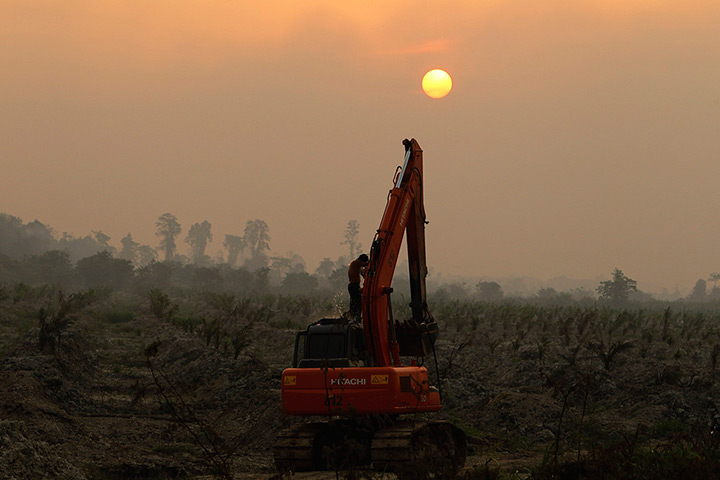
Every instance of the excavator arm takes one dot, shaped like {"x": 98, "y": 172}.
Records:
{"x": 404, "y": 215}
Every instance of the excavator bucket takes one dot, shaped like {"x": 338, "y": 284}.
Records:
{"x": 416, "y": 339}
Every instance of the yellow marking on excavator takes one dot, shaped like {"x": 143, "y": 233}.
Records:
{"x": 290, "y": 380}
{"x": 379, "y": 379}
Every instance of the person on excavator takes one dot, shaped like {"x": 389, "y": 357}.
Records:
{"x": 356, "y": 270}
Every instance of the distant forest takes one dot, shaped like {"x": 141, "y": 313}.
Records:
{"x": 34, "y": 254}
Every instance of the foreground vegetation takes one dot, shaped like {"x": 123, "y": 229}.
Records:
{"x": 543, "y": 390}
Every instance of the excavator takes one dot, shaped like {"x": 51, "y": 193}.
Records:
{"x": 366, "y": 382}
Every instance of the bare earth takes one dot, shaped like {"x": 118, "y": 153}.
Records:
{"x": 95, "y": 408}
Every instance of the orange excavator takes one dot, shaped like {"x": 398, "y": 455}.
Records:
{"x": 368, "y": 380}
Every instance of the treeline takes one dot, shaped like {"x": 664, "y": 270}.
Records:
{"x": 620, "y": 292}
{"x": 19, "y": 240}
{"x": 103, "y": 270}
{"x": 31, "y": 253}
{"x": 251, "y": 249}
{"x": 34, "y": 254}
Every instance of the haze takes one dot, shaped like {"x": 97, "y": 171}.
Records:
{"x": 580, "y": 136}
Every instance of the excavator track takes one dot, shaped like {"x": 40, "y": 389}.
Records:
{"x": 412, "y": 450}
{"x": 332, "y": 445}
{"x": 295, "y": 449}
{"x": 420, "y": 450}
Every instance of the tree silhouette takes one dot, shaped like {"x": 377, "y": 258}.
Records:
{"x": 351, "y": 233}
{"x": 618, "y": 289}
{"x": 102, "y": 270}
{"x": 235, "y": 244}
{"x": 145, "y": 255}
{"x": 490, "y": 291}
{"x": 156, "y": 275}
{"x": 129, "y": 249}
{"x": 714, "y": 277}
{"x": 81, "y": 247}
{"x": 139, "y": 255}
{"x": 325, "y": 268}
{"x": 18, "y": 240}
{"x": 168, "y": 228}
{"x": 699, "y": 291}
{"x": 292, "y": 263}
{"x": 198, "y": 237}
{"x": 262, "y": 279}
{"x": 53, "y": 267}
{"x": 102, "y": 240}
{"x": 257, "y": 236}
{"x": 208, "y": 279}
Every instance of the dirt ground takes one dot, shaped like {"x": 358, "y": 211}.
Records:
{"x": 143, "y": 398}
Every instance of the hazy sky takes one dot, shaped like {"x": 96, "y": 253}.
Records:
{"x": 580, "y": 136}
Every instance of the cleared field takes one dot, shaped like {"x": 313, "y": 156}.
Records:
{"x": 185, "y": 385}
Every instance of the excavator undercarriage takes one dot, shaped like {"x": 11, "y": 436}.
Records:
{"x": 411, "y": 449}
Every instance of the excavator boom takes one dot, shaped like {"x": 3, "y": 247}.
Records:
{"x": 404, "y": 212}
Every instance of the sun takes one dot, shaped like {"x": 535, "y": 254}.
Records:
{"x": 436, "y": 83}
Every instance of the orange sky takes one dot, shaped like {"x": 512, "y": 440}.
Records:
{"x": 580, "y": 136}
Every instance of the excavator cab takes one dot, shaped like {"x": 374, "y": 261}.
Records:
{"x": 331, "y": 343}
